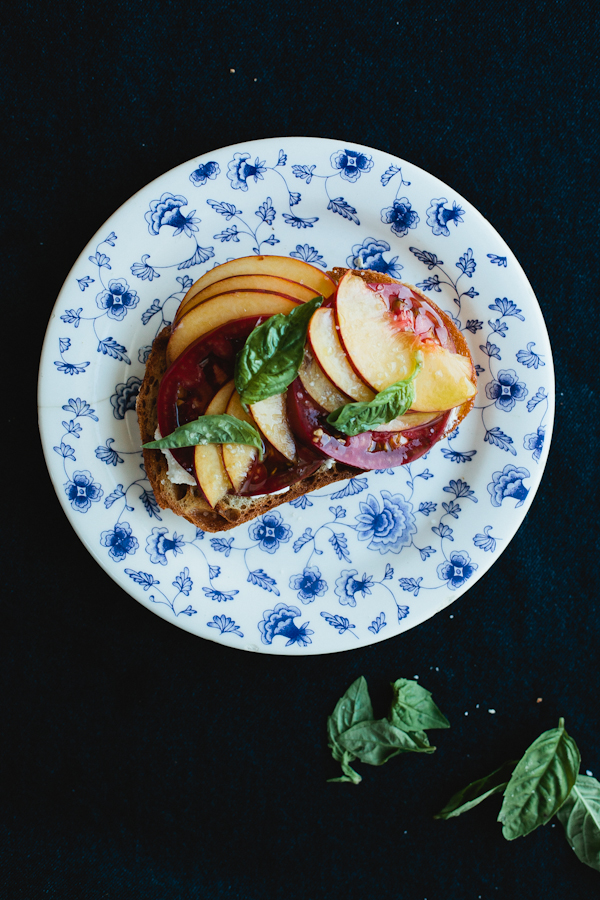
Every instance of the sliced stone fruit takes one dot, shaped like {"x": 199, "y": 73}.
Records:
{"x": 271, "y": 418}
{"x": 238, "y": 458}
{"x": 329, "y": 353}
{"x": 222, "y": 309}
{"x": 269, "y": 283}
{"x": 444, "y": 381}
{"x": 318, "y": 385}
{"x": 211, "y": 473}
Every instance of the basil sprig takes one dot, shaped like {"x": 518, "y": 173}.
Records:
{"x": 223, "y": 429}
{"x": 354, "y": 734}
{"x": 393, "y": 401}
{"x": 543, "y": 783}
{"x": 272, "y": 355}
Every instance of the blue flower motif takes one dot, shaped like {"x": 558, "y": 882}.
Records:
{"x": 125, "y": 395}
{"x": 239, "y": 171}
{"x": 506, "y": 389}
{"x": 388, "y": 529}
{"x": 347, "y": 586}
{"x": 301, "y": 502}
{"x": 369, "y": 255}
{"x": 400, "y": 216}
{"x": 82, "y": 491}
{"x": 309, "y": 584}
{"x": 438, "y": 217}
{"x": 143, "y": 270}
{"x": 535, "y": 442}
{"x": 167, "y": 211}
{"x": 508, "y": 483}
{"x": 225, "y": 624}
{"x": 351, "y": 164}
{"x": 120, "y": 542}
{"x": 80, "y": 408}
{"x": 84, "y": 282}
{"x": 158, "y": 545}
{"x": 485, "y": 541}
{"x": 205, "y": 171}
{"x": 117, "y": 299}
{"x": 309, "y": 255}
{"x": 457, "y": 570}
{"x": 71, "y": 368}
{"x": 270, "y": 531}
{"x": 107, "y": 454}
{"x": 280, "y": 621}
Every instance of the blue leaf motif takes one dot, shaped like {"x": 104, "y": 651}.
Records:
{"x": 65, "y": 450}
{"x": 110, "y": 347}
{"x": 457, "y": 456}
{"x": 229, "y": 210}
{"x": 378, "y": 623}
{"x": 72, "y": 317}
{"x": 282, "y": 159}
{"x": 142, "y": 578}
{"x": 308, "y": 254}
{"x": 429, "y": 259}
{"x": 427, "y": 508}
{"x": 201, "y": 255}
{"x": 340, "y": 623}
{"x": 79, "y": 408}
{"x": 389, "y": 174}
{"x": 498, "y": 327}
{"x": 301, "y": 502}
{"x": 496, "y": 437}
{"x": 85, "y": 282}
{"x": 222, "y": 545}
{"x": 100, "y": 259}
{"x": 229, "y": 234}
{"x": 444, "y": 531}
{"x": 403, "y": 612}
{"x": 338, "y": 511}
{"x": 183, "y": 582}
{"x": 529, "y": 358}
{"x": 452, "y": 509}
{"x": 426, "y": 552}
{"x": 431, "y": 284}
{"x": 498, "y": 260}
{"x": 294, "y": 198}
{"x": 151, "y": 311}
{"x": 389, "y": 572}
{"x": 260, "y": 578}
{"x": 116, "y": 495}
{"x": 304, "y": 172}
{"x": 506, "y": 308}
{"x": 467, "y": 264}
{"x": 425, "y": 474}
{"x": 214, "y": 571}
{"x": 344, "y": 209}
{"x": 219, "y": 596}
{"x": 304, "y": 538}
{"x": 340, "y": 545}
{"x": 354, "y": 486}
{"x": 490, "y": 350}
{"x": 297, "y": 222}
{"x": 64, "y": 344}
{"x": 474, "y": 325}
{"x": 471, "y": 293}
{"x": 484, "y": 541}
{"x": 411, "y": 584}
{"x": 537, "y": 398}
{"x": 150, "y": 504}
{"x": 266, "y": 212}
{"x": 460, "y": 488}
{"x": 225, "y": 625}
{"x": 107, "y": 454}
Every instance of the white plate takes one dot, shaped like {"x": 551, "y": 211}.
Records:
{"x": 359, "y": 561}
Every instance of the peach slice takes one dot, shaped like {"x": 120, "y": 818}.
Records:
{"x": 238, "y": 458}
{"x": 281, "y": 266}
{"x": 222, "y": 309}
{"x": 270, "y": 283}
{"x": 444, "y": 381}
{"x": 329, "y": 353}
{"x": 271, "y": 417}
{"x": 208, "y": 458}
{"x": 382, "y": 354}
{"x": 408, "y": 420}
{"x": 318, "y": 386}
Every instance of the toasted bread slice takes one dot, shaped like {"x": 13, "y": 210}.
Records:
{"x": 187, "y": 500}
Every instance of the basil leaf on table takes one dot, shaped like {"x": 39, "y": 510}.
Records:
{"x": 473, "y": 794}
{"x": 393, "y": 401}
{"x": 353, "y": 707}
{"x": 580, "y": 817}
{"x": 540, "y": 783}
{"x": 377, "y": 741}
{"x": 273, "y": 353}
{"x": 222, "y": 429}
{"x": 413, "y": 708}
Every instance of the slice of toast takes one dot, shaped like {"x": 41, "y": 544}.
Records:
{"x": 187, "y": 500}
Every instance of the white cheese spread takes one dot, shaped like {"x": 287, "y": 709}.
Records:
{"x": 175, "y": 473}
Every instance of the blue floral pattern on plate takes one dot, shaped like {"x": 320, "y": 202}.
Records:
{"x": 356, "y": 562}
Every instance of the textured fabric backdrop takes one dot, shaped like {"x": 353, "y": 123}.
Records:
{"x": 140, "y": 761}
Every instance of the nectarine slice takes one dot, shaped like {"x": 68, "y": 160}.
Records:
{"x": 238, "y": 458}
{"x": 271, "y": 418}
{"x": 271, "y": 283}
{"x": 211, "y": 473}
{"x": 329, "y": 353}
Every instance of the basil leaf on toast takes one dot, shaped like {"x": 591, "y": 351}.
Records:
{"x": 222, "y": 429}
{"x": 393, "y": 401}
{"x": 273, "y": 353}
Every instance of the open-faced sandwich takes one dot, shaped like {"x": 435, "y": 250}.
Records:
{"x": 276, "y": 379}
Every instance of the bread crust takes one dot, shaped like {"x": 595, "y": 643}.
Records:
{"x": 187, "y": 500}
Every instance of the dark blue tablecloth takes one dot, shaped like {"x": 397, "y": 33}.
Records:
{"x": 140, "y": 761}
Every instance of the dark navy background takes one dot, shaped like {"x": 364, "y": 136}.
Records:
{"x": 139, "y": 761}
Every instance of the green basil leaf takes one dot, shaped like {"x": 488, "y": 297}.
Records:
{"x": 393, "y": 401}
{"x": 273, "y": 353}
{"x": 222, "y": 429}
{"x": 580, "y": 817}
{"x": 377, "y": 741}
{"x": 540, "y": 783}
{"x": 354, "y": 706}
{"x": 473, "y": 794}
{"x": 349, "y": 773}
{"x": 413, "y": 709}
